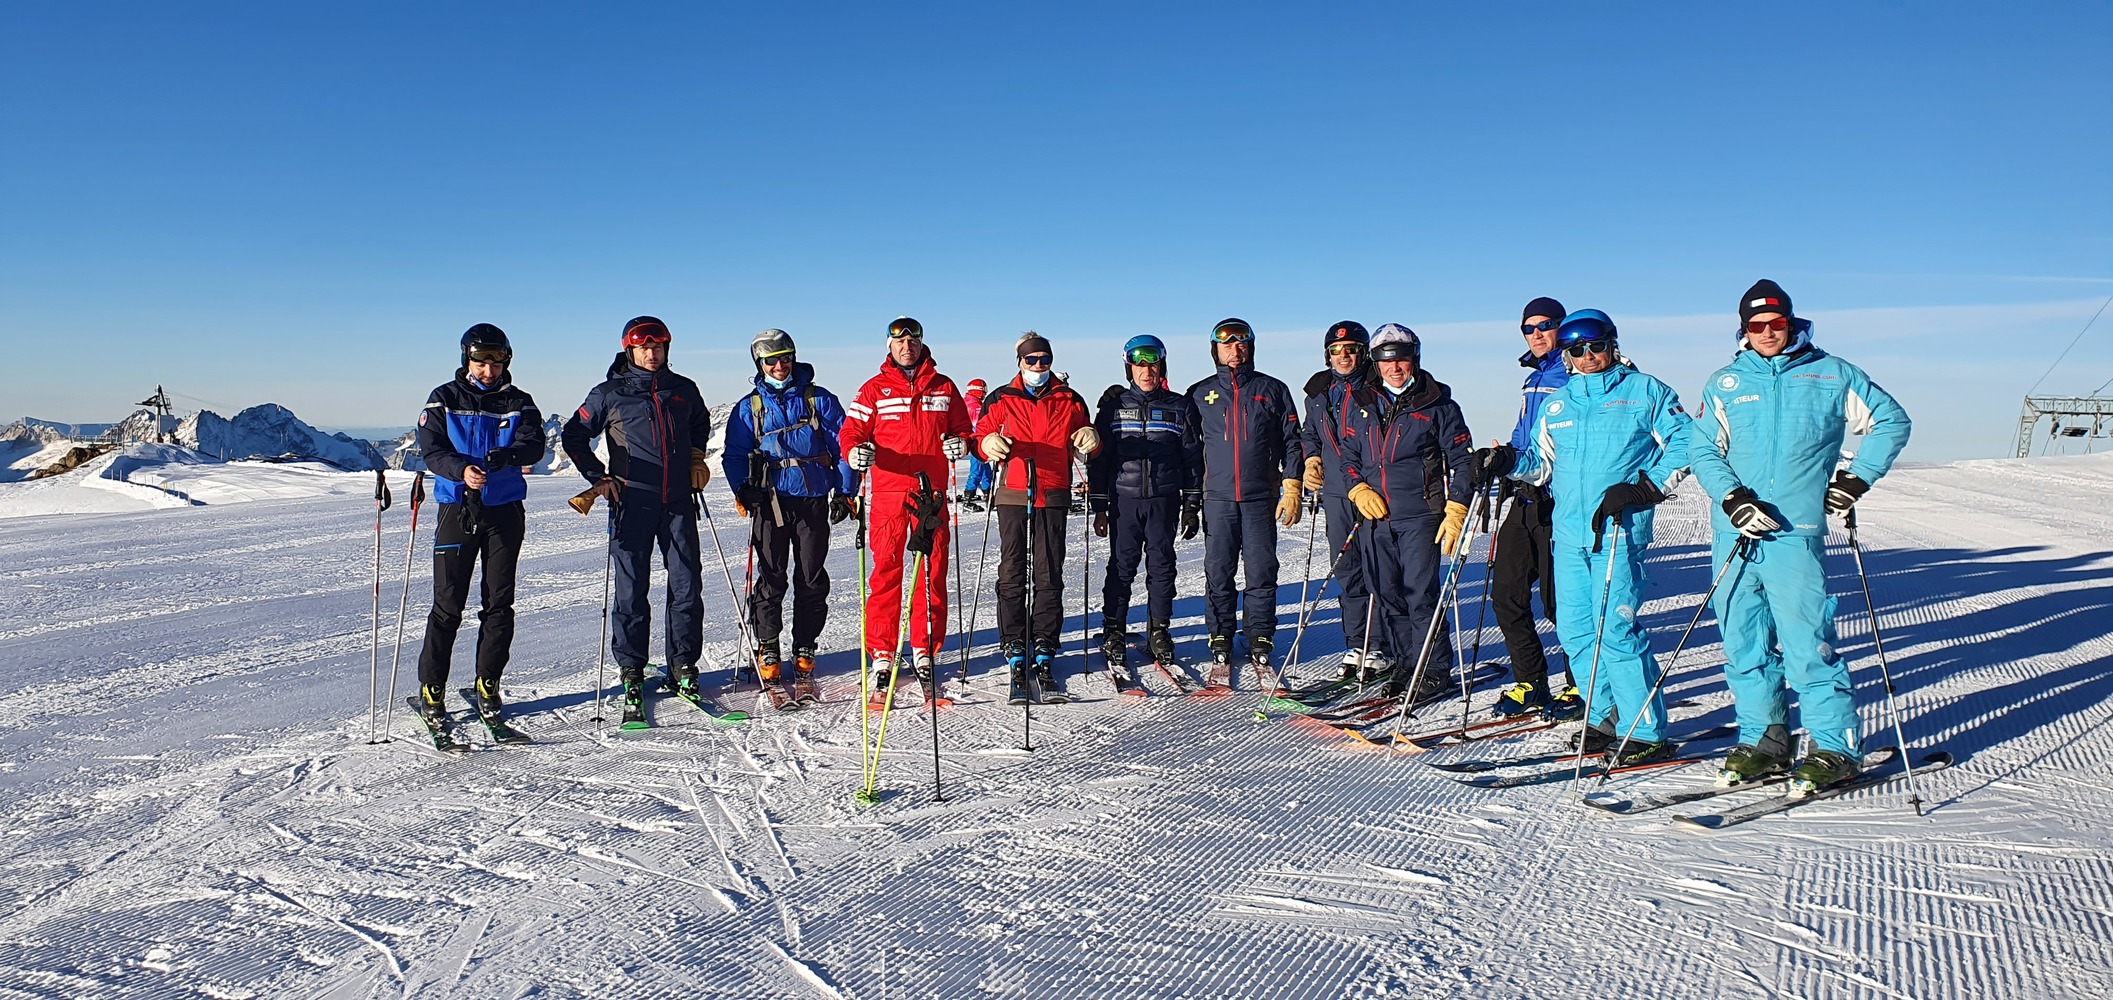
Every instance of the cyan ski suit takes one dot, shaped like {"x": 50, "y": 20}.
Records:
{"x": 1775, "y": 426}
{"x": 1599, "y": 430}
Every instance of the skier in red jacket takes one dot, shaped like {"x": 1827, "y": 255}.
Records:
{"x": 906, "y": 427}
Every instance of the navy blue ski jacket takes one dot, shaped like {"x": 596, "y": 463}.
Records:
{"x": 1250, "y": 429}
{"x": 463, "y": 424}
{"x": 801, "y": 443}
{"x": 1150, "y": 447}
{"x": 1405, "y": 446}
{"x": 1327, "y": 401}
{"x": 650, "y": 420}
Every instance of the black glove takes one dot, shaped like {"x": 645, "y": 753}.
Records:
{"x": 842, "y": 508}
{"x": 1620, "y": 497}
{"x": 1748, "y": 515}
{"x": 500, "y": 458}
{"x": 1191, "y": 515}
{"x": 1844, "y": 491}
{"x": 927, "y": 510}
{"x": 1493, "y": 463}
{"x": 750, "y": 498}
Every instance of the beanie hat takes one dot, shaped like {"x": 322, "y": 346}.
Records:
{"x": 975, "y": 385}
{"x": 1543, "y": 306}
{"x": 1395, "y": 342}
{"x": 1764, "y": 297}
{"x": 1032, "y": 343}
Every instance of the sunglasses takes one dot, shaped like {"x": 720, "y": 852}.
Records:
{"x": 490, "y": 355}
{"x": 774, "y": 360}
{"x": 1778, "y": 324}
{"x": 1338, "y": 350}
{"x": 1529, "y": 329}
{"x": 1036, "y": 360}
{"x": 1146, "y": 356}
{"x": 1583, "y": 348}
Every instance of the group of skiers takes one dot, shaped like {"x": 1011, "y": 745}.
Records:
{"x": 1383, "y": 453}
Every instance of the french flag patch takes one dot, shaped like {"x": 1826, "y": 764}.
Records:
{"x": 1757, "y": 303}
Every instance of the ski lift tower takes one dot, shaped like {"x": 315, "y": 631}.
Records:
{"x": 2085, "y": 416}
{"x": 159, "y": 403}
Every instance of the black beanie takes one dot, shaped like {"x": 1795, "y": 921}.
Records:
{"x": 1033, "y": 343}
{"x": 1543, "y": 306}
{"x": 1764, "y": 297}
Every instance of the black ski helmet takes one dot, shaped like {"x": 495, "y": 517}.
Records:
{"x": 486, "y": 337}
{"x": 770, "y": 344}
{"x": 1347, "y": 331}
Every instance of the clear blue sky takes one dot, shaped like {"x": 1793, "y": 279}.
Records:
{"x": 307, "y": 203}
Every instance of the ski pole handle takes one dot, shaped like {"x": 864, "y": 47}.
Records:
{"x": 418, "y": 490}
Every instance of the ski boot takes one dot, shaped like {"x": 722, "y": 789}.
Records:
{"x": 682, "y": 681}
{"x": 1221, "y": 672}
{"x": 1568, "y": 706}
{"x": 883, "y": 668}
{"x": 1352, "y": 669}
{"x": 490, "y": 704}
{"x": 927, "y": 678}
{"x": 432, "y": 703}
{"x": 1759, "y": 761}
{"x": 1638, "y": 752}
{"x": 1823, "y": 769}
{"x": 1521, "y": 700}
{"x": 1045, "y": 682}
{"x": 432, "y": 711}
{"x": 1596, "y": 739}
{"x": 804, "y": 690}
{"x": 1375, "y": 665}
{"x": 1160, "y": 641}
{"x": 1016, "y": 673}
{"x": 769, "y": 663}
{"x": 1115, "y": 649}
{"x": 634, "y": 681}
{"x": 1259, "y": 649}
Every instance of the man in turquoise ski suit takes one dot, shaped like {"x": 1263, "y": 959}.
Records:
{"x": 1610, "y": 444}
{"x": 1766, "y": 447}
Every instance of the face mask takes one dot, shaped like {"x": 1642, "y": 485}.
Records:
{"x": 777, "y": 383}
{"x": 1034, "y": 377}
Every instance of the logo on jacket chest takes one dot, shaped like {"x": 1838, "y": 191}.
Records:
{"x": 1728, "y": 383}
{"x": 1555, "y": 406}
{"x": 1211, "y": 396}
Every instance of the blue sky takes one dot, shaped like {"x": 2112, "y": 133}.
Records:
{"x": 308, "y": 203}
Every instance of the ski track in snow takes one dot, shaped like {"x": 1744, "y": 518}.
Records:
{"x": 192, "y": 807}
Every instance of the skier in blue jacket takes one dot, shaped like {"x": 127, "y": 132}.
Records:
{"x": 1148, "y": 470}
{"x": 1524, "y": 560}
{"x": 791, "y": 482}
{"x": 1766, "y": 447}
{"x": 1328, "y": 402}
{"x": 656, "y": 426}
{"x": 1405, "y": 456}
{"x": 1611, "y": 444}
{"x": 475, "y": 435}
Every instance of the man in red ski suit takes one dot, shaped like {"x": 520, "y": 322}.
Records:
{"x": 905, "y": 421}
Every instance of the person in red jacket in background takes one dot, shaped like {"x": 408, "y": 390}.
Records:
{"x": 976, "y": 491}
{"x": 906, "y": 426}
{"x": 1031, "y": 428}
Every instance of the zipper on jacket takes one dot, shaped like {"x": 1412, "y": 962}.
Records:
{"x": 660, "y": 432}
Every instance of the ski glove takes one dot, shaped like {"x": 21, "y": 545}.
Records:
{"x": 1191, "y": 514}
{"x": 1493, "y": 463}
{"x": 842, "y": 508}
{"x": 749, "y": 498}
{"x": 861, "y": 456}
{"x": 1085, "y": 441}
{"x": 1844, "y": 491}
{"x": 1289, "y": 503}
{"x": 954, "y": 448}
{"x": 1315, "y": 478}
{"x": 700, "y": 470}
{"x": 1449, "y": 529}
{"x": 1748, "y": 515}
{"x": 996, "y": 446}
{"x": 1370, "y": 505}
{"x": 1620, "y": 497}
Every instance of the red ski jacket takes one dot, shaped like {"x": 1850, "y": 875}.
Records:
{"x": 1040, "y": 428}
{"x": 906, "y": 419}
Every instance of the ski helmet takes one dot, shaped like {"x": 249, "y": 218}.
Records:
{"x": 483, "y": 339}
{"x": 771, "y": 344}
{"x": 904, "y": 326}
{"x": 1347, "y": 331}
{"x": 1395, "y": 342}
{"x": 1584, "y": 326}
{"x": 645, "y": 330}
{"x": 1145, "y": 349}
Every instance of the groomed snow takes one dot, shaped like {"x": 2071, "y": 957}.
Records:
{"x": 192, "y": 809}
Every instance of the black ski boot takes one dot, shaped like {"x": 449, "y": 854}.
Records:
{"x": 1045, "y": 682}
{"x": 490, "y": 704}
{"x": 1259, "y": 649}
{"x": 634, "y": 681}
{"x": 432, "y": 703}
{"x": 1016, "y": 673}
{"x": 1160, "y": 640}
{"x": 1115, "y": 649}
{"x": 1221, "y": 672}
{"x": 1596, "y": 739}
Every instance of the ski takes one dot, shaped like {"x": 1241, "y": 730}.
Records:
{"x": 1307, "y": 699}
{"x": 1561, "y": 756}
{"x": 1567, "y": 770}
{"x": 1220, "y": 682}
{"x": 443, "y": 735}
{"x": 781, "y": 698}
{"x": 1178, "y": 676}
{"x": 804, "y": 690}
{"x": 1475, "y": 732}
{"x": 1647, "y": 801}
{"x": 695, "y": 698}
{"x": 1879, "y": 775}
{"x": 494, "y": 723}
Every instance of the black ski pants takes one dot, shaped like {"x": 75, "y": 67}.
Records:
{"x": 1240, "y": 534}
{"x": 1404, "y": 569}
{"x": 1140, "y": 529}
{"x": 794, "y": 551}
{"x": 1046, "y": 526}
{"x": 1524, "y": 559}
{"x": 456, "y": 550}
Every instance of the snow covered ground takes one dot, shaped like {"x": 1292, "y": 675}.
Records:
{"x": 192, "y": 809}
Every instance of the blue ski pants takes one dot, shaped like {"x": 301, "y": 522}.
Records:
{"x": 1626, "y": 670}
{"x": 642, "y": 526}
{"x": 1350, "y": 574}
{"x": 1778, "y": 625}
{"x": 1240, "y": 534}
{"x": 1402, "y": 566}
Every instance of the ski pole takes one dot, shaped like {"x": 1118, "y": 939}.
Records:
{"x": 374, "y": 659}
{"x": 740, "y": 613}
{"x": 1738, "y": 555}
{"x": 1304, "y": 618}
{"x": 601, "y": 655}
{"x": 953, "y": 536}
{"x": 990, "y": 507}
{"x": 1599, "y": 633}
{"x": 1489, "y": 570}
{"x": 1312, "y": 531}
{"x": 403, "y": 607}
{"x": 1085, "y": 581}
{"x": 1430, "y": 635}
{"x": 865, "y": 667}
{"x": 1027, "y": 707}
{"x": 1885, "y": 671}
{"x": 1474, "y": 659}
{"x": 880, "y": 735}
{"x": 933, "y": 635}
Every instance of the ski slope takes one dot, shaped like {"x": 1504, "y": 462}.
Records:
{"x": 192, "y": 807}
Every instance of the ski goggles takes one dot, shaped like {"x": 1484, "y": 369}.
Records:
{"x": 1778, "y": 324}
{"x": 1529, "y": 329}
{"x": 1234, "y": 332}
{"x": 647, "y": 334}
{"x": 1145, "y": 356}
{"x": 1584, "y": 347}
{"x": 489, "y": 355}
{"x": 1037, "y": 361}
{"x": 1338, "y": 350}
{"x": 906, "y": 327}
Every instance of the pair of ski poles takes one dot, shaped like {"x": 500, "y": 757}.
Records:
{"x": 378, "y": 732}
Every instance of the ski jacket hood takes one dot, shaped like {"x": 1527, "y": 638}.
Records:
{"x": 785, "y": 439}
{"x": 1150, "y": 447}
{"x": 463, "y": 423}
{"x": 1040, "y": 426}
{"x": 1776, "y": 426}
{"x": 650, "y": 421}
{"x": 1412, "y": 446}
{"x": 1599, "y": 430}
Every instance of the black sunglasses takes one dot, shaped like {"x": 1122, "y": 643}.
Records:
{"x": 1579, "y": 350}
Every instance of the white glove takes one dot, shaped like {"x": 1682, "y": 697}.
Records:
{"x": 1744, "y": 510}
{"x": 996, "y": 446}
{"x": 861, "y": 457}
{"x": 955, "y": 448}
{"x": 1085, "y": 440}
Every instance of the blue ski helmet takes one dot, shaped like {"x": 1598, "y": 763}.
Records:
{"x": 484, "y": 338}
{"x": 1583, "y": 326}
